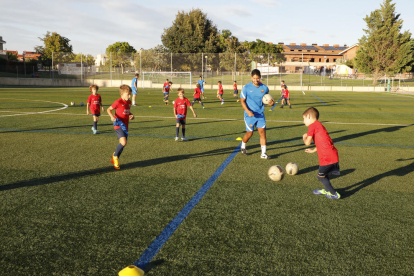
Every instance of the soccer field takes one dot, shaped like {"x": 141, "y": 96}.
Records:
{"x": 64, "y": 209}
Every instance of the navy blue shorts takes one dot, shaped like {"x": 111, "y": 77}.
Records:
{"x": 121, "y": 133}
{"x": 329, "y": 169}
{"x": 236, "y": 92}
{"x": 196, "y": 99}
{"x": 97, "y": 115}
{"x": 180, "y": 121}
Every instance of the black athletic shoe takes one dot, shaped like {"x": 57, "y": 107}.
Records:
{"x": 243, "y": 151}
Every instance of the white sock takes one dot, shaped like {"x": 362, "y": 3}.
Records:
{"x": 263, "y": 149}
{"x": 133, "y": 102}
{"x": 243, "y": 146}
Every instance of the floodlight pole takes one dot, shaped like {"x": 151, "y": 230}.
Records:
{"x": 202, "y": 65}
{"x": 81, "y": 69}
{"x": 301, "y": 74}
{"x": 171, "y": 67}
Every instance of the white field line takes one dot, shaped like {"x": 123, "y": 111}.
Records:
{"x": 29, "y": 113}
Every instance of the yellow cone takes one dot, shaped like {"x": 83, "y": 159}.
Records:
{"x": 149, "y": 106}
{"x": 131, "y": 270}
{"x": 239, "y": 139}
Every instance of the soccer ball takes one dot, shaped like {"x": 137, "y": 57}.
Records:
{"x": 173, "y": 102}
{"x": 81, "y": 103}
{"x": 276, "y": 173}
{"x": 267, "y": 98}
{"x": 292, "y": 168}
{"x": 72, "y": 103}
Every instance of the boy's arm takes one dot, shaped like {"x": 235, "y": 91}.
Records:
{"x": 248, "y": 111}
{"x": 311, "y": 150}
{"x": 131, "y": 116}
{"x": 175, "y": 112}
{"x": 192, "y": 109}
{"x": 109, "y": 110}
{"x": 307, "y": 139}
{"x": 87, "y": 108}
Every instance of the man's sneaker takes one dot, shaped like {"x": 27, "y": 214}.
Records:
{"x": 319, "y": 192}
{"x": 333, "y": 196}
{"x": 94, "y": 130}
{"x": 115, "y": 161}
{"x": 290, "y": 107}
{"x": 281, "y": 106}
{"x": 203, "y": 107}
{"x": 264, "y": 156}
{"x": 243, "y": 151}
{"x": 176, "y": 139}
{"x": 222, "y": 102}
{"x": 184, "y": 139}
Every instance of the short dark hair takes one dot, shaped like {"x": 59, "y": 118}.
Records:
{"x": 256, "y": 72}
{"x": 171, "y": 82}
{"x": 313, "y": 112}
{"x": 136, "y": 75}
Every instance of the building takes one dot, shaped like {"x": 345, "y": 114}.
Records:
{"x": 101, "y": 60}
{"x": 26, "y": 54}
{"x": 2, "y": 53}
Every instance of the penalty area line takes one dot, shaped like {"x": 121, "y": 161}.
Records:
{"x": 159, "y": 241}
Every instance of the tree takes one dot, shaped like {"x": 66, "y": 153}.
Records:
{"x": 11, "y": 56}
{"x": 56, "y": 46}
{"x": 384, "y": 49}
{"x": 191, "y": 32}
{"x": 121, "y": 53}
{"x": 89, "y": 59}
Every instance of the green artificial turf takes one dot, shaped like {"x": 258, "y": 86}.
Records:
{"x": 64, "y": 210}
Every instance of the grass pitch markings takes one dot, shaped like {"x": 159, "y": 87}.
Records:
{"x": 39, "y": 112}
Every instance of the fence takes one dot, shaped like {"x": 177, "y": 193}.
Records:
{"x": 212, "y": 67}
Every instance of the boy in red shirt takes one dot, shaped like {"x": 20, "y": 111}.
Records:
{"x": 235, "y": 91}
{"x": 167, "y": 89}
{"x": 285, "y": 95}
{"x": 180, "y": 113}
{"x": 220, "y": 92}
{"x": 197, "y": 94}
{"x": 327, "y": 153}
{"x": 121, "y": 119}
{"x": 94, "y": 103}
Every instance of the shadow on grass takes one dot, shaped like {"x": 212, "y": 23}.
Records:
{"x": 153, "y": 264}
{"x": 99, "y": 171}
{"x": 352, "y": 189}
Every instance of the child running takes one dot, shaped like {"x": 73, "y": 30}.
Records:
{"x": 121, "y": 119}
{"x": 94, "y": 103}
{"x": 201, "y": 82}
{"x": 180, "y": 113}
{"x": 285, "y": 96}
{"x": 220, "y": 92}
{"x": 327, "y": 153}
{"x": 197, "y": 94}
{"x": 235, "y": 91}
{"x": 167, "y": 89}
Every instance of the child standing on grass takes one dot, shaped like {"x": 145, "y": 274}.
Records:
{"x": 94, "y": 103}
{"x": 180, "y": 113}
{"x": 327, "y": 153}
{"x": 167, "y": 89}
{"x": 285, "y": 95}
{"x": 235, "y": 91}
{"x": 220, "y": 92}
{"x": 282, "y": 86}
{"x": 197, "y": 94}
{"x": 121, "y": 119}
{"x": 201, "y": 82}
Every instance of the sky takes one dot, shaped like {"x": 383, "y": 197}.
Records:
{"x": 93, "y": 25}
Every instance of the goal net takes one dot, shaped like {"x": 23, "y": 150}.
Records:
{"x": 178, "y": 78}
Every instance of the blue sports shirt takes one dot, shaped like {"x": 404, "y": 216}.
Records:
{"x": 201, "y": 83}
{"x": 253, "y": 96}
{"x": 134, "y": 80}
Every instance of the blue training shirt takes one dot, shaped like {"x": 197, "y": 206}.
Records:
{"x": 253, "y": 96}
{"x": 201, "y": 83}
{"x": 134, "y": 81}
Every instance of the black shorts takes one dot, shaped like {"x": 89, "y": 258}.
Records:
{"x": 329, "y": 169}
{"x": 121, "y": 133}
{"x": 180, "y": 121}
{"x": 236, "y": 92}
{"x": 196, "y": 99}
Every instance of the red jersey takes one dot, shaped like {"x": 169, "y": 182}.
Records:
{"x": 326, "y": 150}
{"x": 122, "y": 109}
{"x": 167, "y": 88}
{"x": 286, "y": 93}
{"x": 234, "y": 86}
{"x": 95, "y": 103}
{"x": 180, "y": 106}
{"x": 197, "y": 93}
{"x": 165, "y": 85}
{"x": 220, "y": 89}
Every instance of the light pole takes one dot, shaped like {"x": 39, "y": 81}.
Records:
{"x": 24, "y": 63}
{"x": 206, "y": 65}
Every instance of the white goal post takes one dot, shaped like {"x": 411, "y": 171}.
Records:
{"x": 160, "y": 77}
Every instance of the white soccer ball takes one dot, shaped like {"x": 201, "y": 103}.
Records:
{"x": 81, "y": 103}
{"x": 292, "y": 168}
{"x": 276, "y": 173}
{"x": 267, "y": 98}
{"x": 72, "y": 103}
{"x": 173, "y": 102}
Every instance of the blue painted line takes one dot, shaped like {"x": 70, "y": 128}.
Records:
{"x": 159, "y": 241}
{"x": 319, "y": 99}
{"x": 276, "y": 103}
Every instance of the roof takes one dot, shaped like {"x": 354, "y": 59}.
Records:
{"x": 349, "y": 48}
{"x": 298, "y": 47}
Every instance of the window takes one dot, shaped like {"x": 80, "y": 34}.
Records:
{"x": 308, "y": 50}
{"x": 300, "y": 50}
{"x": 320, "y": 60}
{"x": 334, "y": 59}
{"x": 327, "y": 60}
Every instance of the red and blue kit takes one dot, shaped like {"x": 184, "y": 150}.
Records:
{"x": 286, "y": 93}
{"x": 326, "y": 150}
{"x": 234, "y": 86}
{"x": 165, "y": 85}
{"x": 122, "y": 111}
{"x": 197, "y": 93}
{"x": 180, "y": 106}
{"x": 95, "y": 103}
{"x": 220, "y": 89}
{"x": 167, "y": 88}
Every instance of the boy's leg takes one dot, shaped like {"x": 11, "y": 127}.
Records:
{"x": 120, "y": 147}
{"x": 183, "y": 130}
{"x": 177, "y": 130}
{"x": 262, "y": 133}
{"x": 323, "y": 177}
{"x": 201, "y": 103}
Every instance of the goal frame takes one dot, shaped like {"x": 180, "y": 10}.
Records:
{"x": 166, "y": 73}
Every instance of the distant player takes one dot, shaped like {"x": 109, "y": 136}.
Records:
{"x": 251, "y": 101}
{"x": 165, "y": 84}
{"x": 197, "y": 95}
{"x": 285, "y": 95}
{"x": 201, "y": 82}
{"x": 167, "y": 90}
{"x": 235, "y": 91}
{"x": 121, "y": 119}
{"x": 134, "y": 86}
{"x": 327, "y": 153}
{"x": 180, "y": 113}
{"x": 94, "y": 103}
{"x": 220, "y": 92}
